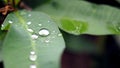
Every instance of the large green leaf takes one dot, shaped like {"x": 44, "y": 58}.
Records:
{"x": 82, "y": 17}
{"x": 23, "y": 40}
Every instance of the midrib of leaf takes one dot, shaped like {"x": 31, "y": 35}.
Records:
{"x": 22, "y": 21}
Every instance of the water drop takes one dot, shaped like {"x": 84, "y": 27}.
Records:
{"x": 40, "y": 24}
{"x": 48, "y": 21}
{"x": 33, "y": 56}
{"x": 47, "y": 41}
{"x": 60, "y": 34}
{"x": 2, "y": 25}
{"x": 33, "y": 66}
{"x": 10, "y": 21}
{"x": 29, "y": 23}
{"x": 44, "y": 32}
{"x": 29, "y": 15}
{"x": 34, "y": 36}
{"x": 32, "y": 52}
{"x": 53, "y": 31}
{"x": 30, "y": 30}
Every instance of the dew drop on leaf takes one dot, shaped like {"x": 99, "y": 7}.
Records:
{"x": 47, "y": 41}
{"x": 10, "y": 21}
{"x": 53, "y": 31}
{"x": 59, "y": 34}
{"x": 28, "y": 23}
{"x": 34, "y": 36}
{"x": 30, "y": 30}
{"x": 29, "y": 15}
{"x": 32, "y": 52}
{"x": 33, "y": 56}
{"x": 40, "y": 24}
{"x": 44, "y": 32}
{"x": 48, "y": 21}
{"x": 33, "y": 66}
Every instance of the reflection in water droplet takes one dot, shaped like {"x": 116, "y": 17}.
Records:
{"x": 34, "y": 36}
{"x": 29, "y": 23}
{"x": 10, "y": 21}
{"x": 33, "y": 66}
{"x": 44, "y": 32}
{"x": 60, "y": 34}
{"x": 30, "y": 30}
{"x": 40, "y": 24}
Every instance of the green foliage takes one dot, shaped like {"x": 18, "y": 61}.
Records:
{"x": 21, "y": 35}
{"x": 99, "y": 19}
{"x": 18, "y": 42}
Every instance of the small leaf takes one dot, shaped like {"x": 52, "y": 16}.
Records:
{"x": 24, "y": 46}
{"x": 96, "y": 19}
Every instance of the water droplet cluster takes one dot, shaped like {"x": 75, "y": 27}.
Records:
{"x": 43, "y": 33}
{"x": 33, "y": 58}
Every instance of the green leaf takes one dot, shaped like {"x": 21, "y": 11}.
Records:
{"x": 23, "y": 40}
{"x": 81, "y": 17}
{"x": 2, "y": 36}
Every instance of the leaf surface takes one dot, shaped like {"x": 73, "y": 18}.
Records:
{"x": 81, "y": 17}
{"x": 24, "y": 46}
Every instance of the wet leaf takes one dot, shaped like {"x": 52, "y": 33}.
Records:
{"x": 24, "y": 46}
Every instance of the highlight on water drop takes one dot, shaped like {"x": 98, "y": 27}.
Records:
{"x": 44, "y": 32}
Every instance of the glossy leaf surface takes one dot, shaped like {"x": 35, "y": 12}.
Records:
{"x": 23, "y": 40}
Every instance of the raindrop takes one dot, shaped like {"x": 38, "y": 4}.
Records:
{"x": 34, "y": 36}
{"x": 53, "y": 31}
{"x": 44, "y": 32}
{"x": 30, "y": 30}
{"x": 33, "y": 66}
{"x": 29, "y": 15}
{"x": 33, "y": 56}
{"x": 60, "y": 34}
{"x": 47, "y": 41}
{"x": 48, "y": 21}
{"x": 10, "y": 21}
{"x": 29, "y": 23}
{"x": 40, "y": 24}
{"x": 32, "y": 52}
{"x": 2, "y": 25}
